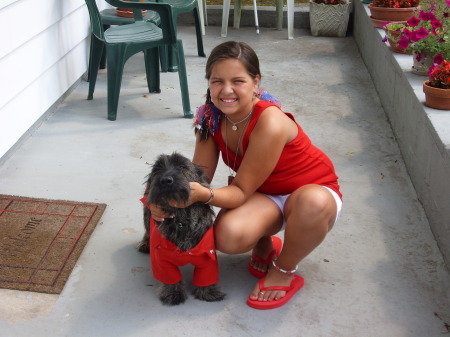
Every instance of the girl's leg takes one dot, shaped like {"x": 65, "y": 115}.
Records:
{"x": 241, "y": 229}
{"x": 310, "y": 213}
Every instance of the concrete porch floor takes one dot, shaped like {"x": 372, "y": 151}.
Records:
{"x": 378, "y": 273}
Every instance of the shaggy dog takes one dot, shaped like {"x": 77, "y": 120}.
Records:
{"x": 185, "y": 238}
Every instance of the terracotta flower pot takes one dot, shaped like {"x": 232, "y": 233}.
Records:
{"x": 381, "y": 15}
{"x": 394, "y": 45}
{"x": 128, "y": 13}
{"x": 436, "y": 98}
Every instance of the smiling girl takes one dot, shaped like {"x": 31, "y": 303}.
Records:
{"x": 278, "y": 179}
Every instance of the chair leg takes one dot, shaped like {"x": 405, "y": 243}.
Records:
{"x": 163, "y": 58}
{"x": 237, "y": 13}
{"x": 198, "y": 30}
{"x": 183, "y": 81}
{"x": 290, "y": 6}
{"x": 205, "y": 13}
{"x": 95, "y": 55}
{"x": 115, "y": 61}
{"x": 172, "y": 59}
{"x": 152, "y": 69}
{"x": 225, "y": 16}
{"x": 279, "y": 14}
{"x": 103, "y": 61}
{"x": 202, "y": 10}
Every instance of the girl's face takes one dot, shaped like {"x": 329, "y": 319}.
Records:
{"x": 232, "y": 88}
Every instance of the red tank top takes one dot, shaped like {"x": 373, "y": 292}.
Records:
{"x": 300, "y": 163}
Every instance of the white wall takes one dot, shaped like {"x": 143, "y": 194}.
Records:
{"x": 44, "y": 47}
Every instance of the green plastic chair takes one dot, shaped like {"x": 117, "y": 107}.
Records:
{"x": 122, "y": 42}
{"x": 168, "y": 57}
{"x": 110, "y": 18}
{"x": 180, "y": 7}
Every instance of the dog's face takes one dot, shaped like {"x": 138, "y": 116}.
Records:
{"x": 170, "y": 177}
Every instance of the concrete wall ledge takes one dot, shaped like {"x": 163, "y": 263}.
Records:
{"x": 423, "y": 134}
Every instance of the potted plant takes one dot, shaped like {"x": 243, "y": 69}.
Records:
{"x": 394, "y": 33}
{"x": 437, "y": 87}
{"x": 329, "y": 17}
{"x": 398, "y": 11}
{"x": 427, "y": 34}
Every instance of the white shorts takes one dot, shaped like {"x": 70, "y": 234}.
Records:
{"x": 280, "y": 200}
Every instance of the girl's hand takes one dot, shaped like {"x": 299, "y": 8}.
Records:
{"x": 199, "y": 193}
{"x": 158, "y": 214}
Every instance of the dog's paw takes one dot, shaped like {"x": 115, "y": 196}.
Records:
{"x": 209, "y": 294}
{"x": 172, "y": 294}
{"x": 143, "y": 247}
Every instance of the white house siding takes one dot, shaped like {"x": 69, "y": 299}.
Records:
{"x": 44, "y": 47}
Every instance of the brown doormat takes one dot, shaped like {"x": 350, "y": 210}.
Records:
{"x": 41, "y": 240}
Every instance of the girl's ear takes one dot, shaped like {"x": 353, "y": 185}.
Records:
{"x": 256, "y": 80}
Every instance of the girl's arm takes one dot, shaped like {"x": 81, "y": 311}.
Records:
{"x": 206, "y": 155}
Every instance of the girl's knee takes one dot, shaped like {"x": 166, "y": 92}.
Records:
{"x": 229, "y": 238}
{"x": 311, "y": 204}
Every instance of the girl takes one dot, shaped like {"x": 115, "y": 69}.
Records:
{"x": 281, "y": 180}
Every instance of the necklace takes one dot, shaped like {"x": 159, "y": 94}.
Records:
{"x": 234, "y": 127}
{"x": 233, "y": 170}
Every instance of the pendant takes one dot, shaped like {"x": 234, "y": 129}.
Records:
{"x": 234, "y": 127}
{"x": 230, "y": 179}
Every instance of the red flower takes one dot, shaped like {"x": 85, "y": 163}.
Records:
{"x": 419, "y": 56}
{"x": 403, "y": 43}
{"x": 426, "y": 16}
{"x": 406, "y": 32}
{"x": 420, "y": 34}
{"x": 413, "y": 22}
{"x": 438, "y": 59}
{"x": 439, "y": 75}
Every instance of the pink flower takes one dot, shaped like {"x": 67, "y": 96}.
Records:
{"x": 413, "y": 22}
{"x": 420, "y": 34}
{"x": 406, "y": 32}
{"x": 438, "y": 59}
{"x": 432, "y": 8}
{"x": 436, "y": 24}
{"x": 403, "y": 43}
{"x": 426, "y": 16}
{"x": 419, "y": 56}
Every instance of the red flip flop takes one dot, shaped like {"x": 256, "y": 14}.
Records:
{"x": 277, "y": 245}
{"x": 297, "y": 283}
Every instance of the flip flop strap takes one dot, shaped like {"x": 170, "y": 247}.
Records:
{"x": 261, "y": 260}
{"x": 263, "y": 288}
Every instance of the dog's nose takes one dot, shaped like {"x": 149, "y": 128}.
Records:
{"x": 166, "y": 180}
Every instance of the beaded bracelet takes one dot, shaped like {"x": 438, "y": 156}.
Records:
{"x": 288, "y": 272}
{"x": 211, "y": 197}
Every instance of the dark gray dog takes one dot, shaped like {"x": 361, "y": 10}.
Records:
{"x": 185, "y": 238}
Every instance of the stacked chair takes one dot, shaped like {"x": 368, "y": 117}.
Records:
{"x": 237, "y": 15}
{"x": 122, "y": 42}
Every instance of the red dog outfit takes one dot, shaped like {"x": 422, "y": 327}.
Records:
{"x": 165, "y": 258}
